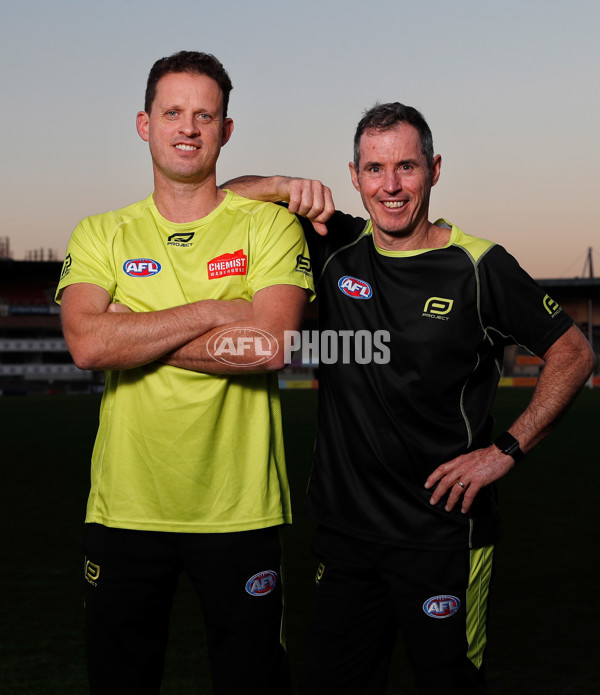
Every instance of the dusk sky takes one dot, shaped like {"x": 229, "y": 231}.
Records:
{"x": 510, "y": 90}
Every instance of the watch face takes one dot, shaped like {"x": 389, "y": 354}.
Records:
{"x": 509, "y": 445}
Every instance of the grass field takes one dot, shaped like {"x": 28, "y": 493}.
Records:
{"x": 543, "y": 634}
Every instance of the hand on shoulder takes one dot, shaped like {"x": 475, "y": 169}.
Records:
{"x": 311, "y": 199}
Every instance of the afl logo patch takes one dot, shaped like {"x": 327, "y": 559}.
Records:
{"x": 355, "y": 288}
{"x": 441, "y": 606}
{"x": 141, "y": 267}
{"x": 262, "y": 584}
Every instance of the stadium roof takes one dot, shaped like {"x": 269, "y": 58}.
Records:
{"x": 589, "y": 287}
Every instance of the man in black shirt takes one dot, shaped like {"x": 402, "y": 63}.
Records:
{"x": 402, "y": 482}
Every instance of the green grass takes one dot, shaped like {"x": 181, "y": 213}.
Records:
{"x": 542, "y": 629}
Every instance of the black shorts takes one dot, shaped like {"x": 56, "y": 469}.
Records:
{"x": 130, "y": 581}
{"x": 365, "y": 592}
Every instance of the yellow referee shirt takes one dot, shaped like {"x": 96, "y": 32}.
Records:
{"x": 178, "y": 450}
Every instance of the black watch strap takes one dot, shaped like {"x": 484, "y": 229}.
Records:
{"x": 510, "y": 446}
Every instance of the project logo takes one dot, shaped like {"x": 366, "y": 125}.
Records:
{"x": 242, "y": 347}
{"x": 438, "y": 308}
{"x": 181, "y": 239}
{"x": 91, "y": 572}
{"x": 303, "y": 265}
{"x": 552, "y": 307}
{"x": 66, "y": 266}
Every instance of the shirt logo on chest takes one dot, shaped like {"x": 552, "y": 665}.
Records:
{"x": 438, "y": 308}
{"x": 141, "y": 267}
{"x": 228, "y": 264}
{"x": 355, "y": 288}
{"x": 181, "y": 239}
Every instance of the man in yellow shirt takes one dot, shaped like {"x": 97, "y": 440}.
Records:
{"x": 183, "y": 299}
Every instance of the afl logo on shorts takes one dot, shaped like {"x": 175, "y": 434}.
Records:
{"x": 262, "y": 584}
{"x": 441, "y": 606}
{"x": 141, "y": 267}
{"x": 355, "y": 288}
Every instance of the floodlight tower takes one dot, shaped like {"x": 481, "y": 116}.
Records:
{"x": 588, "y": 267}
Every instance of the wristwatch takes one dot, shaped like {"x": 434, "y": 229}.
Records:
{"x": 510, "y": 446}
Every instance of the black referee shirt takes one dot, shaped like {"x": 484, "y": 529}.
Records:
{"x": 411, "y": 353}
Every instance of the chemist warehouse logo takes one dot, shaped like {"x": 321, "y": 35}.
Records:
{"x": 438, "y": 308}
{"x": 228, "y": 264}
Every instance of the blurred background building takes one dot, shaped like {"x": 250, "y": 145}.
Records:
{"x": 34, "y": 356}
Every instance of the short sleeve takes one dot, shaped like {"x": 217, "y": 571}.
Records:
{"x": 280, "y": 255}
{"x": 515, "y": 307}
{"x": 342, "y": 229}
{"x": 87, "y": 260}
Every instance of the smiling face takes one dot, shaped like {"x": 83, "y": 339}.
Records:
{"x": 185, "y": 128}
{"x": 394, "y": 181}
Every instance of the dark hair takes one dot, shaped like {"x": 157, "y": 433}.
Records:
{"x": 385, "y": 116}
{"x": 194, "y": 63}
